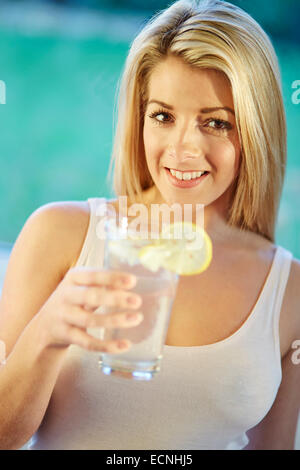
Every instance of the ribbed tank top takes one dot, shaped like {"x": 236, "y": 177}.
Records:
{"x": 205, "y": 397}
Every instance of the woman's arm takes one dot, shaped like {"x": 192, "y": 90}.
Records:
{"x": 39, "y": 260}
{"x": 277, "y": 431}
{"x": 46, "y": 307}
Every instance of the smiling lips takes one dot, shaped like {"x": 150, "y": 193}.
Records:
{"x": 185, "y": 179}
{"x": 186, "y": 175}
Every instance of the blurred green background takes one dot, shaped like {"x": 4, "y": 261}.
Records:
{"x": 61, "y": 62}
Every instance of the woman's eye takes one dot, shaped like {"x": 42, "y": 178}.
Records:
{"x": 219, "y": 125}
{"x": 161, "y": 117}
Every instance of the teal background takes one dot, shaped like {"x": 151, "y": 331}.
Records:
{"x": 61, "y": 79}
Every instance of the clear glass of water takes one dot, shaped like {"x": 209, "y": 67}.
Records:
{"x": 157, "y": 290}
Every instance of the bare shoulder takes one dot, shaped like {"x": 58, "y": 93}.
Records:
{"x": 252, "y": 246}
{"x": 45, "y": 248}
{"x": 295, "y": 275}
{"x": 68, "y": 222}
{"x": 258, "y": 252}
{"x": 292, "y": 298}
{"x": 66, "y": 212}
{"x": 255, "y": 242}
{"x": 290, "y": 312}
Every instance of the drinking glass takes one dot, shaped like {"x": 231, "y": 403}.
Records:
{"x": 157, "y": 289}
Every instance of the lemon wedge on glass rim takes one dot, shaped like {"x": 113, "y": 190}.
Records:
{"x": 182, "y": 247}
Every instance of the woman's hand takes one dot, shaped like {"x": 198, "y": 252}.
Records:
{"x": 69, "y": 311}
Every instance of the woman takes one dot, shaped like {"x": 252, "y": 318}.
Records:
{"x": 200, "y": 93}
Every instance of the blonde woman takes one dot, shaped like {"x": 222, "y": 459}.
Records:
{"x": 200, "y": 92}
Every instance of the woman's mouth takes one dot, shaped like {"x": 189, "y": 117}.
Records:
{"x": 185, "y": 179}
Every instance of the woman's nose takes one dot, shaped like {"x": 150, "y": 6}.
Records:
{"x": 186, "y": 143}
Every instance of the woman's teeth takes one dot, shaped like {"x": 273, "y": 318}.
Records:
{"x": 186, "y": 176}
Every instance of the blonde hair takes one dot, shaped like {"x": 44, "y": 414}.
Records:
{"x": 218, "y": 35}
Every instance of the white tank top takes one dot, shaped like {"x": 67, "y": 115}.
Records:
{"x": 205, "y": 397}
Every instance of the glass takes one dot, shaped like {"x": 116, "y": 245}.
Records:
{"x": 157, "y": 290}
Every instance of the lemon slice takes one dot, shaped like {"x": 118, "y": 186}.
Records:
{"x": 183, "y": 248}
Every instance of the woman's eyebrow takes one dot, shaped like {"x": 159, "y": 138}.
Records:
{"x": 209, "y": 110}
{"x": 203, "y": 110}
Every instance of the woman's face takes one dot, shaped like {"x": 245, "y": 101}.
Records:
{"x": 185, "y": 134}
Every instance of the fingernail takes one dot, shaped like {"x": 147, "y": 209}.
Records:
{"x": 123, "y": 344}
{"x": 134, "y": 316}
{"x": 131, "y": 300}
{"x": 127, "y": 281}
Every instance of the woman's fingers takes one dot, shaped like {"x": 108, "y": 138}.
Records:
{"x": 93, "y": 297}
{"x": 88, "y": 277}
{"x": 84, "y": 340}
{"x": 78, "y": 316}
{"x": 81, "y": 292}
{"x": 70, "y": 310}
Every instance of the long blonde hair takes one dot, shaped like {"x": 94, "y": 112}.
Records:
{"x": 218, "y": 35}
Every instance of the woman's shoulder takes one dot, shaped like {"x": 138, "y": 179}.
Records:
{"x": 292, "y": 298}
{"x": 262, "y": 252}
{"x": 65, "y": 215}
{"x": 263, "y": 245}
{"x": 66, "y": 223}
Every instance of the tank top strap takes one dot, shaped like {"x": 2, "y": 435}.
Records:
{"x": 284, "y": 262}
{"x": 97, "y": 206}
{"x": 91, "y": 252}
{"x": 281, "y": 276}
